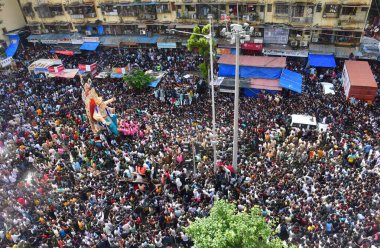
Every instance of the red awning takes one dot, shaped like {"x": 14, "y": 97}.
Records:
{"x": 252, "y": 46}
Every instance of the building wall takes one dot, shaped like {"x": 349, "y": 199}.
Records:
{"x": 12, "y": 18}
{"x": 305, "y": 18}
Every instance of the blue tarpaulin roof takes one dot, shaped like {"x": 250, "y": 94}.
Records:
{"x": 89, "y": 46}
{"x": 291, "y": 80}
{"x": 322, "y": 60}
{"x": 12, "y": 48}
{"x": 250, "y": 72}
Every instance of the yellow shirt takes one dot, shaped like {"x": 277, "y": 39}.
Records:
{"x": 39, "y": 112}
{"x": 320, "y": 153}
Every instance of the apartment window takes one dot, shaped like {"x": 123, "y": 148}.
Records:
{"x": 190, "y": 7}
{"x": 364, "y": 9}
{"x": 262, "y": 7}
{"x": 331, "y": 8}
{"x": 282, "y": 9}
{"x": 298, "y": 11}
{"x": 348, "y": 11}
{"x": 252, "y": 8}
{"x": 269, "y": 7}
{"x": 319, "y": 7}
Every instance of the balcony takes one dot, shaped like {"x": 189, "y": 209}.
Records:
{"x": 77, "y": 16}
{"x": 189, "y": 15}
{"x": 351, "y": 20}
{"x": 90, "y": 15}
{"x": 111, "y": 13}
{"x": 331, "y": 11}
{"x": 300, "y": 20}
{"x": 147, "y": 17}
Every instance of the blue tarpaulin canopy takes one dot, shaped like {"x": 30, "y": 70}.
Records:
{"x": 255, "y": 92}
{"x": 89, "y": 46}
{"x": 322, "y": 60}
{"x": 12, "y": 48}
{"x": 291, "y": 80}
{"x": 166, "y": 45}
{"x": 250, "y": 71}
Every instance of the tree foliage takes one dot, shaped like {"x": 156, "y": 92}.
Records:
{"x": 137, "y": 79}
{"x": 226, "y": 228}
{"x": 202, "y": 45}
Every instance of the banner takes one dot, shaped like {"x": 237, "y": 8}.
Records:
{"x": 83, "y": 67}
{"x": 120, "y": 70}
{"x": 252, "y": 46}
{"x": 56, "y": 68}
{"x": 223, "y": 51}
{"x": 6, "y": 62}
{"x": 67, "y": 73}
{"x": 90, "y": 39}
{"x": 68, "y": 53}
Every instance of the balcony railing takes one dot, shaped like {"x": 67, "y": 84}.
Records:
{"x": 351, "y": 19}
{"x": 128, "y": 14}
{"x": 191, "y": 15}
{"x": 301, "y": 19}
{"x": 147, "y": 17}
{"x": 90, "y": 15}
{"x": 111, "y": 13}
{"x": 77, "y": 16}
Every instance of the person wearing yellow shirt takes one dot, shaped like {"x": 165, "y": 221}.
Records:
{"x": 320, "y": 153}
{"x": 39, "y": 112}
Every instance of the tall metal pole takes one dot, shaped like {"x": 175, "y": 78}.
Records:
{"x": 213, "y": 140}
{"x": 236, "y": 104}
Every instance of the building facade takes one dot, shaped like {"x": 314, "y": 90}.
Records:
{"x": 11, "y": 18}
{"x": 295, "y": 23}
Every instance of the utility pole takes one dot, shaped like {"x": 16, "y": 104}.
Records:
{"x": 236, "y": 104}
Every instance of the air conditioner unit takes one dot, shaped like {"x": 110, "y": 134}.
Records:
{"x": 314, "y": 40}
{"x": 142, "y": 32}
{"x": 88, "y": 32}
{"x": 293, "y": 43}
{"x": 258, "y": 34}
{"x": 246, "y": 17}
{"x": 306, "y": 37}
{"x": 303, "y": 43}
{"x": 70, "y": 12}
{"x": 46, "y": 31}
{"x": 52, "y": 31}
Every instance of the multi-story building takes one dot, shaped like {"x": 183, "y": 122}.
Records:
{"x": 11, "y": 18}
{"x": 296, "y": 23}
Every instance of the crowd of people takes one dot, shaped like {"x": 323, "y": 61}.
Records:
{"x": 64, "y": 186}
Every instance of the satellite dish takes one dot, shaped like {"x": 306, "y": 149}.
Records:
{"x": 309, "y": 11}
{"x": 376, "y": 29}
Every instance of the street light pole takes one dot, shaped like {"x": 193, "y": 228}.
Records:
{"x": 209, "y": 37}
{"x": 236, "y": 104}
{"x": 213, "y": 140}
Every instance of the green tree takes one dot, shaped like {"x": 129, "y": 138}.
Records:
{"x": 137, "y": 79}
{"x": 202, "y": 45}
{"x": 227, "y": 228}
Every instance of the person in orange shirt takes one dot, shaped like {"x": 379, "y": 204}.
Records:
{"x": 311, "y": 154}
{"x": 39, "y": 112}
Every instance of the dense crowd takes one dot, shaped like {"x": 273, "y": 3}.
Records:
{"x": 62, "y": 185}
